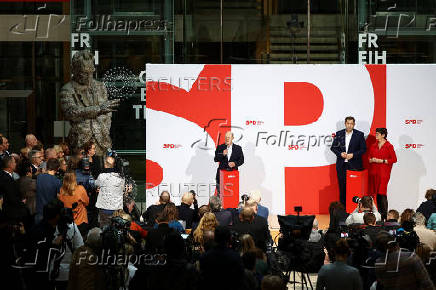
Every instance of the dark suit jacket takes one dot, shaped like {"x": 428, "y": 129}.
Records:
{"x": 152, "y": 212}
{"x": 9, "y": 189}
{"x": 187, "y": 214}
{"x": 223, "y": 217}
{"x": 237, "y": 156}
{"x": 357, "y": 146}
{"x": 221, "y": 268}
{"x": 258, "y": 229}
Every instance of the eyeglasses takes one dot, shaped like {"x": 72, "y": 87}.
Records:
{"x": 38, "y": 156}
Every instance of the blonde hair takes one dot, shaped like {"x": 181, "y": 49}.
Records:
{"x": 69, "y": 183}
{"x": 207, "y": 223}
{"x": 58, "y": 149}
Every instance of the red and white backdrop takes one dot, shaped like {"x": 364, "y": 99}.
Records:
{"x": 284, "y": 117}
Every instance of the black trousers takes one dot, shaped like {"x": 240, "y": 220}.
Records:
{"x": 342, "y": 178}
{"x": 382, "y": 205}
{"x": 217, "y": 178}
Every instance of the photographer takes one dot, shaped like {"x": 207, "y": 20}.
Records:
{"x": 70, "y": 240}
{"x": 364, "y": 205}
{"x": 110, "y": 196}
{"x": 48, "y": 242}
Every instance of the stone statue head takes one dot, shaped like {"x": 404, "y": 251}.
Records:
{"x": 83, "y": 67}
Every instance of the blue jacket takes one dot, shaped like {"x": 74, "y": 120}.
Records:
{"x": 431, "y": 223}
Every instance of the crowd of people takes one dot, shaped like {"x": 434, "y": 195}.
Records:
{"x": 68, "y": 220}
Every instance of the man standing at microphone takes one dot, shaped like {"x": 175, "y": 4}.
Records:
{"x": 229, "y": 156}
{"x": 349, "y": 146}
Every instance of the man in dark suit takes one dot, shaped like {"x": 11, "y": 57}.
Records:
{"x": 13, "y": 207}
{"x": 154, "y": 210}
{"x": 254, "y": 225}
{"x": 229, "y": 156}
{"x": 221, "y": 267}
{"x": 349, "y": 146}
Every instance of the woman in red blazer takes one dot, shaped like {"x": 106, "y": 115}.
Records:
{"x": 381, "y": 158}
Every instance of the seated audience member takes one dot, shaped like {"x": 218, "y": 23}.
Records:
{"x": 85, "y": 273}
{"x": 431, "y": 223}
{"x": 339, "y": 275}
{"x": 258, "y": 229}
{"x": 371, "y": 229}
{"x": 315, "y": 235}
{"x": 392, "y": 218}
{"x": 47, "y": 187}
{"x": 406, "y": 235}
{"x": 271, "y": 282}
{"x": 428, "y": 207}
{"x": 111, "y": 189}
{"x": 74, "y": 196}
{"x": 170, "y": 214}
{"x": 221, "y": 267}
{"x": 224, "y": 217}
{"x": 248, "y": 245}
{"x": 262, "y": 211}
{"x": 156, "y": 236}
{"x": 207, "y": 223}
{"x": 154, "y": 210}
{"x": 426, "y": 236}
{"x": 251, "y": 279}
{"x": 399, "y": 269}
{"x": 186, "y": 213}
{"x": 366, "y": 204}
{"x": 201, "y": 211}
{"x": 407, "y": 215}
{"x": 175, "y": 273}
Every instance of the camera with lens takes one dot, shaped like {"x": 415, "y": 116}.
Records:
{"x": 66, "y": 219}
{"x": 356, "y": 199}
{"x": 115, "y": 235}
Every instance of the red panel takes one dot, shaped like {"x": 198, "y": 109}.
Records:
{"x": 205, "y": 104}
{"x": 229, "y": 188}
{"x": 154, "y": 174}
{"x": 303, "y": 103}
{"x": 357, "y": 185}
{"x": 377, "y": 73}
{"x": 208, "y": 103}
{"x": 313, "y": 188}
